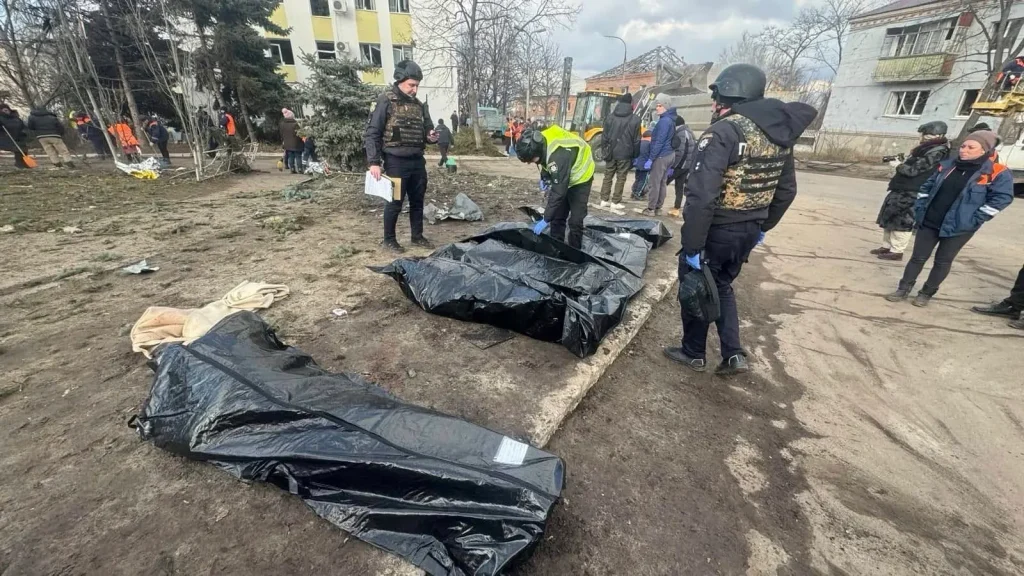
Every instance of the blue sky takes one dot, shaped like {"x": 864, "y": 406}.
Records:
{"x": 698, "y": 30}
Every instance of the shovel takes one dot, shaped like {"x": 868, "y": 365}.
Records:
{"x": 28, "y": 160}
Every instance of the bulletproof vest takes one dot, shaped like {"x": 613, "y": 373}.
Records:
{"x": 750, "y": 183}
{"x": 404, "y": 126}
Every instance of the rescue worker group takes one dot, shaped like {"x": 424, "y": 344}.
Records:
{"x": 738, "y": 181}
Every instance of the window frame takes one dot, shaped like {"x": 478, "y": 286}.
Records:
{"x": 405, "y": 48}
{"x": 326, "y": 4}
{"x": 369, "y": 46}
{"x": 395, "y": 6}
{"x": 963, "y": 100}
{"x": 897, "y": 101}
{"x": 333, "y": 51}
{"x": 370, "y": 5}
{"x": 279, "y": 44}
{"x": 932, "y": 37}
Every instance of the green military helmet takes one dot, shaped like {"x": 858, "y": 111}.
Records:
{"x": 530, "y": 145}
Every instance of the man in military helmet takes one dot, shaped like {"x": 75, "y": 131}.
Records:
{"x": 566, "y": 174}
{"x": 741, "y": 183}
{"x": 396, "y": 135}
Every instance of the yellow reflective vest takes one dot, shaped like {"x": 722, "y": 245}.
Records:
{"x": 557, "y": 137}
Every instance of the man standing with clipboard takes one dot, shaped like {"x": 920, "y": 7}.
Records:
{"x": 396, "y": 135}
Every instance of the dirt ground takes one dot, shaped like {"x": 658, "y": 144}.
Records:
{"x": 871, "y": 438}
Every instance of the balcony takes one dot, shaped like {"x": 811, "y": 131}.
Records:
{"x": 923, "y": 68}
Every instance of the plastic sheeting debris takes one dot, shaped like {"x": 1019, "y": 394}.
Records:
{"x": 651, "y": 230}
{"x": 148, "y": 169}
{"x": 462, "y": 209}
{"x": 449, "y": 496}
{"x": 140, "y": 267}
{"x": 535, "y": 285}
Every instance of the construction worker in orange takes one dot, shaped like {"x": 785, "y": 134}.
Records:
{"x": 227, "y": 124}
{"x": 126, "y": 139}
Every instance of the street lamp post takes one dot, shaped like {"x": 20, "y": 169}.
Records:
{"x": 623, "y": 57}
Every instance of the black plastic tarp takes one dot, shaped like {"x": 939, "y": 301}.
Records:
{"x": 448, "y": 496}
{"x": 512, "y": 278}
{"x": 651, "y": 230}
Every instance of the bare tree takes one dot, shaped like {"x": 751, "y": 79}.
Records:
{"x": 997, "y": 43}
{"x": 465, "y": 32}
{"x": 790, "y": 47}
{"x": 26, "y": 53}
{"x": 832, "y": 18}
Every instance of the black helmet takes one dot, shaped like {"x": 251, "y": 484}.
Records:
{"x": 530, "y": 145}
{"x": 407, "y": 69}
{"x": 936, "y": 128}
{"x": 740, "y": 82}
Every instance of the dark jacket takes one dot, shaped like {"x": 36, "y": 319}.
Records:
{"x": 44, "y": 123}
{"x": 290, "y": 134}
{"x": 684, "y": 144}
{"x": 621, "y": 137}
{"x": 15, "y": 129}
{"x": 157, "y": 133}
{"x": 661, "y": 136}
{"x": 373, "y": 137}
{"x": 719, "y": 147}
{"x": 444, "y": 135}
{"x": 897, "y": 211}
{"x": 988, "y": 192}
{"x": 645, "y": 152}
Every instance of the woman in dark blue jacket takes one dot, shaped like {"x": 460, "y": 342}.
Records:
{"x": 957, "y": 199}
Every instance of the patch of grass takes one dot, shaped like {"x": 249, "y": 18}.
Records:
{"x": 106, "y": 257}
{"x": 342, "y": 252}
{"x": 283, "y": 225}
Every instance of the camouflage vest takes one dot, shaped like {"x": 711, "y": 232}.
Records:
{"x": 750, "y": 183}
{"x": 404, "y": 126}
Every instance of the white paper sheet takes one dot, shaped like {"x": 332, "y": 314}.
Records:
{"x": 382, "y": 188}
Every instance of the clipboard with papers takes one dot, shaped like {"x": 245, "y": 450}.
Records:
{"x": 388, "y": 188}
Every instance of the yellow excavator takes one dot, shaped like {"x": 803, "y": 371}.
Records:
{"x": 594, "y": 106}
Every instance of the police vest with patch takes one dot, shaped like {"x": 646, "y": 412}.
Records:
{"x": 750, "y": 183}
{"x": 404, "y": 127}
{"x": 557, "y": 137}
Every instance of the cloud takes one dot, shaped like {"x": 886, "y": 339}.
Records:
{"x": 727, "y": 29}
{"x": 694, "y": 31}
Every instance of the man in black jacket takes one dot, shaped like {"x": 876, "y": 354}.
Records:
{"x": 12, "y": 134}
{"x": 159, "y": 135}
{"x": 396, "y": 135}
{"x": 620, "y": 144}
{"x": 444, "y": 140}
{"x": 742, "y": 182}
{"x": 49, "y": 131}
{"x": 896, "y": 216}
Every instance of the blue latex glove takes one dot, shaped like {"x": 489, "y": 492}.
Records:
{"x": 670, "y": 173}
{"x": 544, "y": 186}
{"x": 540, "y": 226}
{"x": 760, "y": 239}
{"x": 693, "y": 261}
{"x": 648, "y": 164}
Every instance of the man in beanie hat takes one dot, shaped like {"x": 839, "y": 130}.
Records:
{"x": 620, "y": 143}
{"x": 395, "y": 137}
{"x": 957, "y": 199}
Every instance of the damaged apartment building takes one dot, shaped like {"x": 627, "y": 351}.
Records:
{"x": 910, "y": 62}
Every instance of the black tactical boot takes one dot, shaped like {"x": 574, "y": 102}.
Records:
{"x": 392, "y": 246}
{"x": 676, "y": 355}
{"x": 1001, "y": 309}
{"x": 878, "y": 251}
{"x": 736, "y": 364}
{"x": 422, "y": 241}
{"x": 1018, "y": 324}
{"x": 922, "y": 300}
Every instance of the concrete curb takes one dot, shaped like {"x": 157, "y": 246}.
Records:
{"x": 556, "y": 407}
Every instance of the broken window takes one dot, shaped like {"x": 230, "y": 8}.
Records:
{"x": 928, "y": 38}
{"x": 966, "y": 102}
{"x": 371, "y": 54}
{"x": 910, "y": 103}
{"x": 281, "y": 52}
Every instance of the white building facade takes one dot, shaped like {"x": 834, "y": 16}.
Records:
{"x": 907, "y": 63}
{"x": 378, "y": 32}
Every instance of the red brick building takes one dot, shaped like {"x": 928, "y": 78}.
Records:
{"x": 651, "y": 68}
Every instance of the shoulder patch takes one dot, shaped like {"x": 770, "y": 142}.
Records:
{"x": 704, "y": 141}
{"x": 552, "y": 167}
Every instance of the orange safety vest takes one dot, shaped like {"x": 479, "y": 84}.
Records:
{"x": 508, "y": 130}
{"x": 231, "y": 124}
{"x": 124, "y": 134}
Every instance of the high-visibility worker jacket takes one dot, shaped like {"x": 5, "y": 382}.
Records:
{"x": 124, "y": 134}
{"x": 557, "y": 138}
{"x": 229, "y": 124}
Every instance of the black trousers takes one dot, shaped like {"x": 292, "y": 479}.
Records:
{"x": 1016, "y": 299}
{"x": 163, "y": 150}
{"x": 926, "y": 241}
{"x": 572, "y": 209}
{"x": 680, "y": 184}
{"x": 444, "y": 154}
{"x": 413, "y": 172}
{"x": 726, "y": 249}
